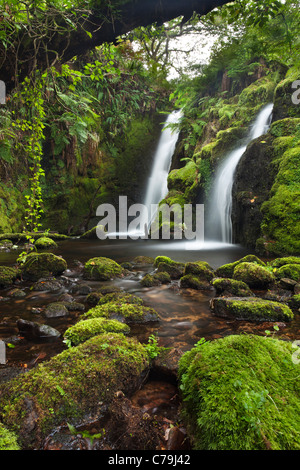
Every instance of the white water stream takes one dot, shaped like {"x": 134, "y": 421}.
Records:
{"x": 219, "y": 224}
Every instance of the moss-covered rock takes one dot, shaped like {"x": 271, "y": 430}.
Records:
{"x": 278, "y": 262}
{"x": 86, "y": 329}
{"x": 231, "y": 287}
{"x": 45, "y": 242}
{"x": 182, "y": 178}
{"x": 79, "y": 381}
{"x": 201, "y": 269}
{"x": 251, "y": 309}
{"x": 226, "y": 270}
{"x": 294, "y": 302}
{"x": 101, "y": 269}
{"x": 192, "y": 281}
{"x": 8, "y": 439}
{"x": 143, "y": 260}
{"x": 7, "y": 276}
{"x": 38, "y": 265}
{"x": 290, "y": 271}
{"x": 254, "y": 275}
{"x": 150, "y": 280}
{"x": 241, "y": 392}
{"x": 120, "y": 297}
{"x": 127, "y": 313}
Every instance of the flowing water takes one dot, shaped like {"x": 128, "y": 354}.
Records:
{"x": 219, "y": 225}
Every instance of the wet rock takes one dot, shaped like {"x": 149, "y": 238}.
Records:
{"x": 66, "y": 298}
{"x": 287, "y": 283}
{"x": 74, "y": 306}
{"x": 17, "y": 293}
{"x": 254, "y": 275}
{"x": 55, "y": 310}
{"x": 143, "y": 260}
{"x": 45, "y": 242}
{"x": 177, "y": 439}
{"x": 194, "y": 282}
{"x": 166, "y": 363}
{"x": 33, "y": 330}
{"x": 47, "y": 284}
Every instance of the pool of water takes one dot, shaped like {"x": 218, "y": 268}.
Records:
{"x": 185, "y": 315}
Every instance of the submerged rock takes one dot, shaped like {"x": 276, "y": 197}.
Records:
{"x": 33, "y": 330}
{"x": 251, "y": 309}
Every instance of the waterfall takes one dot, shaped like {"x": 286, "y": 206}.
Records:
{"x": 219, "y": 223}
{"x": 157, "y": 187}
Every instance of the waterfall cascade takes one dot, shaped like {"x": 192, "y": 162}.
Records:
{"x": 157, "y": 185}
{"x": 218, "y": 222}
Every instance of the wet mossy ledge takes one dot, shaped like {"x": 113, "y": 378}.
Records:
{"x": 241, "y": 392}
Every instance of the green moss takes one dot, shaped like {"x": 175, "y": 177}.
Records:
{"x": 182, "y": 178}
{"x": 72, "y": 384}
{"x": 254, "y": 275}
{"x": 7, "y": 276}
{"x": 39, "y": 265}
{"x": 86, "y": 329}
{"x": 101, "y": 269}
{"x": 129, "y": 313}
{"x": 120, "y": 297}
{"x": 143, "y": 260}
{"x": 192, "y": 281}
{"x": 45, "y": 242}
{"x": 199, "y": 268}
{"x": 291, "y": 271}
{"x": 258, "y": 93}
{"x": 8, "y": 440}
{"x": 150, "y": 280}
{"x": 226, "y": 286}
{"x": 241, "y": 393}
{"x": 226, "y": 270}
{"x": 251, "y": 309}
{"x": 278, "y": 262}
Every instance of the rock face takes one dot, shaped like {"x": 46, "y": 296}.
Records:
{"x": 253, "y": 181}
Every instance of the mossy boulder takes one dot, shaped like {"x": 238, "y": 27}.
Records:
{"x": 150, "y": 280}
{"x": 127, "y": 313}
{"x": 8, "y": 439}
{"x": 165, "y": 264}
{"x": 86, "y": 329}
{"x": 254, "y": 275}
{"x": 40, "y": 265}
{"x": 201, "y": 269}
{"x": 102, "y": 269}
{"x": 191, "y": 281}
{"x": 251, "y": 309}
{"x": 226, "y": 270}
{"x": 45, "y": 242}
{"x": 120, "y": 297}
{"x": 56, "y": 310}
{"x": 290, "y": 271}
{"x": 278, "y": 262}
{"x": 72, "y": 385}
{"x": 7, "y": 276}
{"x": 241, "y": 392}
{"x": 143, "y": 260}
{"x": 231, "y": 287}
